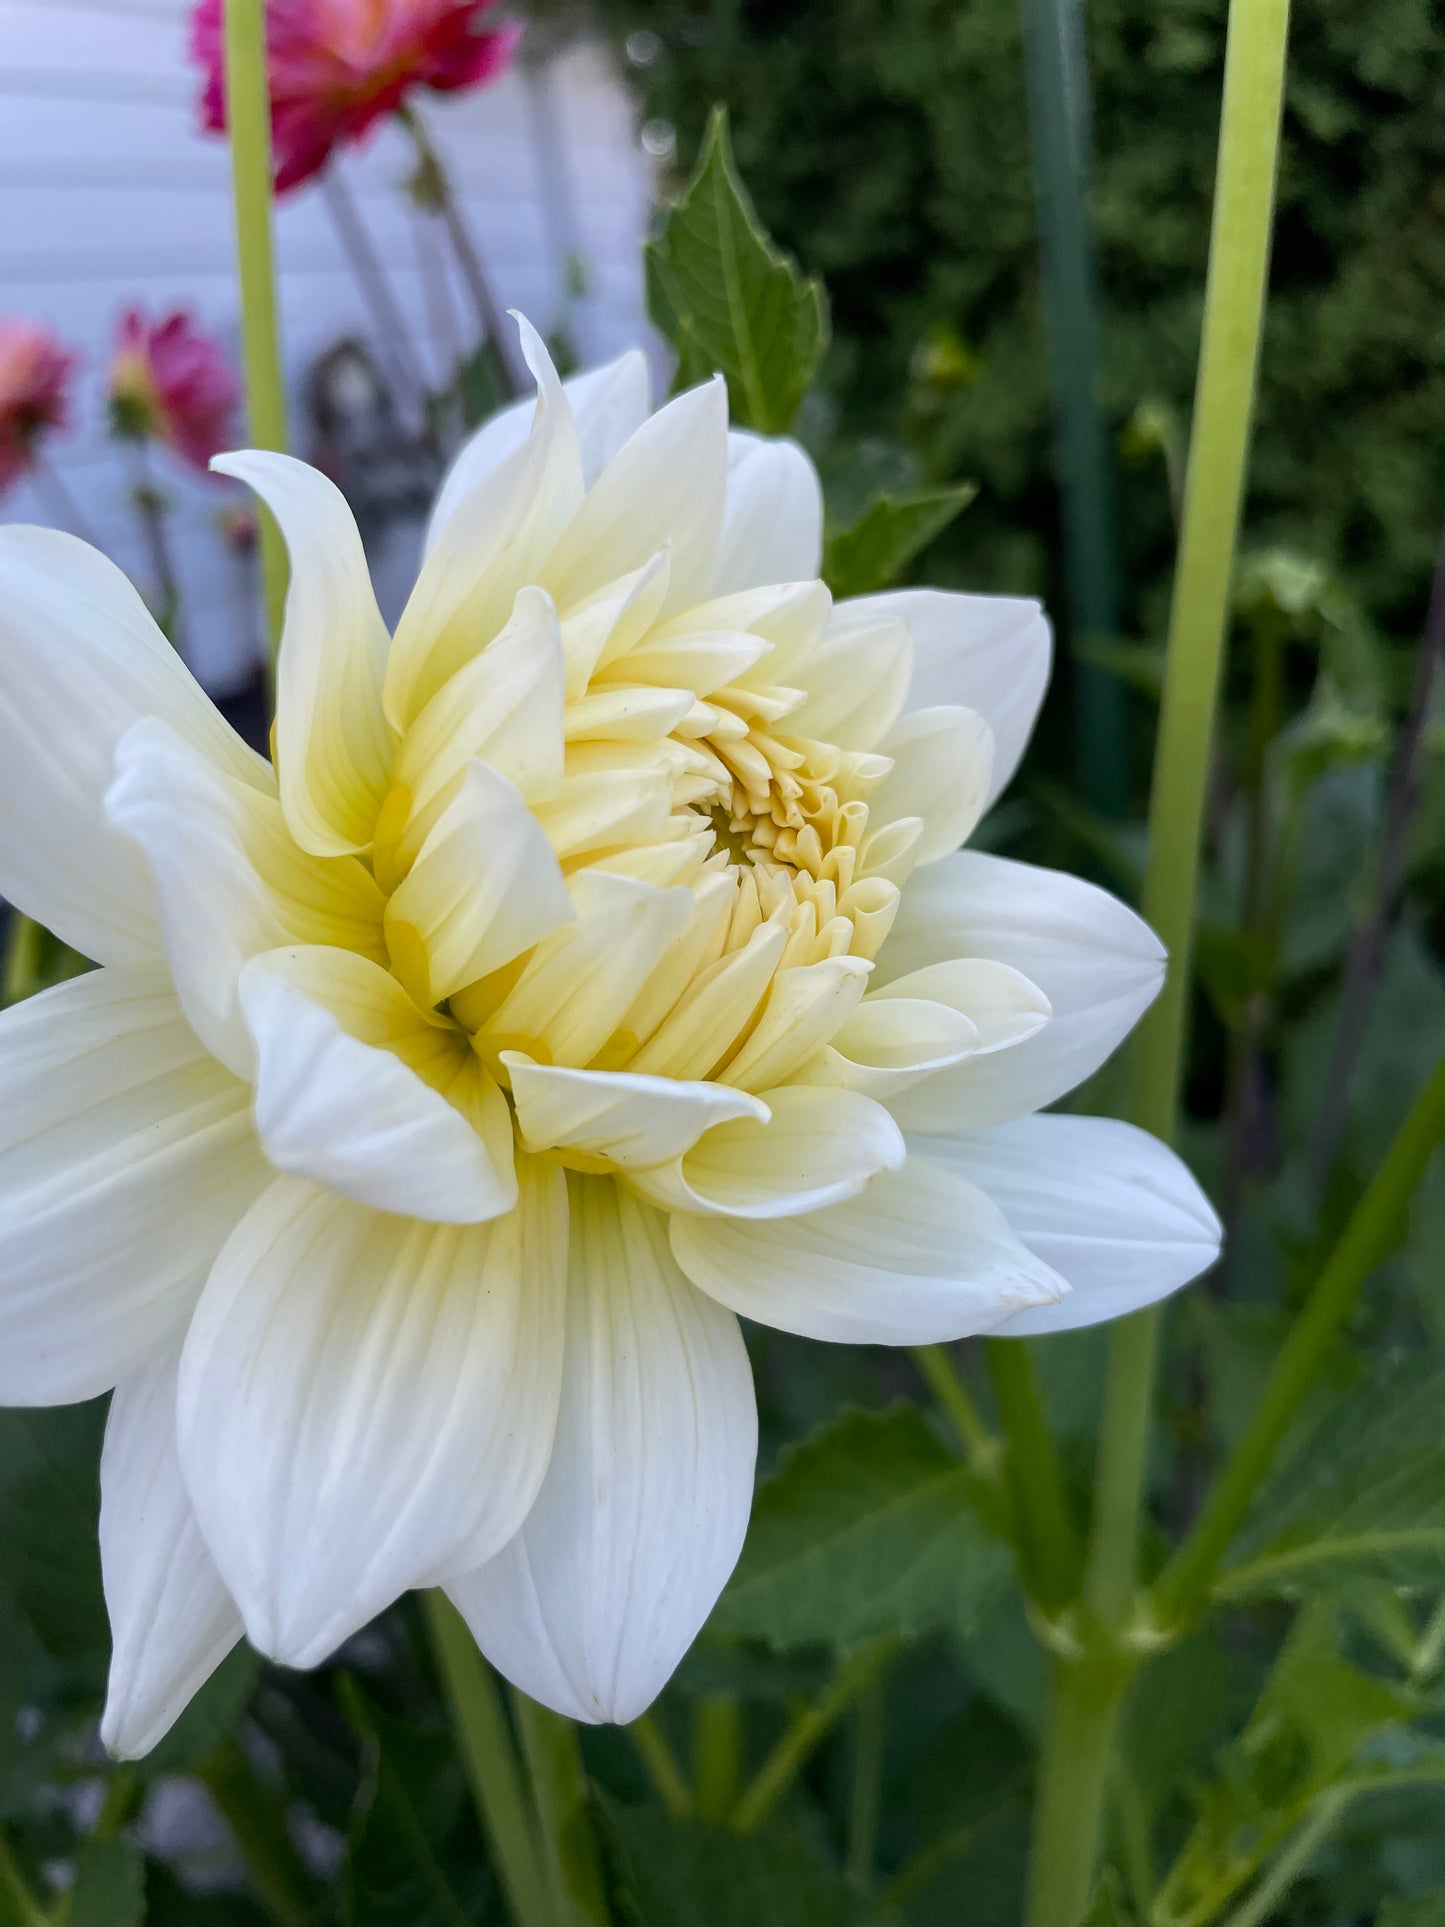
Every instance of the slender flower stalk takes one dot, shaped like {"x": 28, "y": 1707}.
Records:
{"x": 570, "y": 1858}
{"x": 1085, "y": 1703}
{"x": 654, "y": 1749}
{"x": 392, "y": 333}
{"x": 806, "y": 1732}
{"x": 248, "y": 109}
{"x": 153, "y": 517}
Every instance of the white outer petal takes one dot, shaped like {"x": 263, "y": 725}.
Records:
{"x": 634, "y": 1121}
{"x": 989, "y": 653}
{"x": 172, "y": 1621}
{"x": 918, "y": 1257}
{"x": 367, "y": 1403}
{"x": 642, "y": 1514}
{"x": 773, "y": 516}
{"x": 127, "y": 1156}
{"x": 1098, "y": 964}
{"x": 941, "y": 764}
{"x": 1109, "y": 1207}
{"x": 80, "y": 661}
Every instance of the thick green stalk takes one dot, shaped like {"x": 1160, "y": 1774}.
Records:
{"x": 248, "y": 115}
{"x": 804, "y": 1733}
{"x": 1075, "y": 1763}
{"x": 18, "y": 1906}
{"x": 717, "y": 1756}
{"x": 571, "y": 1862}
{"x": 491, "y": 1763}
{"x": 1367, "y": 1238}
{"x": 1050, "y": 1554}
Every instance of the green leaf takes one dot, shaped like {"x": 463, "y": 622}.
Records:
{"x": 867, "y": 1527}
{"x": 1365, "y": 1491}
{"x": 49, "y": 1518}
{"x": 675, "y": 1874}
{"x": 1423, "y": 1910}
{"x": 1107, "y": 1908}
{"x": 729, "y": 300}
{"x": 879, "y": 546}
{"x": 402, "y": 1866}
{"x": 109, "y": 1888}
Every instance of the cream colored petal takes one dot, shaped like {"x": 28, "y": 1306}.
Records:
{"x": 608, "y": 404}
{"x": 773, "y": 518}
{"x": 172, "y": 1621}
{"x": 703, "y": 1027}
{"x": 805, "y": 1008}
{"x": 629, "y": 1121}
{"x": 230, "y": 881}
{"x": 643, "y": 1510}
{"x": 485, "y": 887}
{"x": 493, "y": 544}
{"x": 338, "y": 1102}
{"x": 663, "y": 489}
{"x": 334, "y": 746}
{"x": 789, "y": 616}
{"x": 368, "y": 1403}
{"x": 941, "y": 764}
{"x": 701, "y": 660}
{"x": 127, "y": 1155}
{"x": 816, "y": 1147}
{"x": 610, "y": 622}
{"x": 578, "y": 983}
{"x": 1004, "y": 1006}
{"x": 80, "y": 661}
{"x": 1097, "y": 963}
{"x": 857, "y": 678}
{"x": 600, "y": 809}
{"x": 887, "y": 1046}
{"x": 917, "y": 1258}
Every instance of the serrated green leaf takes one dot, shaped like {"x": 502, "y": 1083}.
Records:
{"x": 729, "y": 300}
{"x": 879, "y": 546}
{"x": 109, "y": 1888}
{"x": 1364, "y": 1491}
{"x": 680, "y": 1874}
{"x": 867, "y": 1527}
{"x": 49, "y": 1517}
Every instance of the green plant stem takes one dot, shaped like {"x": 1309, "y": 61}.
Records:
{"x": 22, "y": 958}
{"x": 571, "y": 1862}
{"x": 248, "y": 115}
{"x": 941, "y": 1375}
{"x": 1367, "y": 1238}
{"x": 667, "y": 1777}
{"x": 273, "y": 1865}
{"x": 868, "y": 1725}
{"x": 804, "y": 1733}
{"x": 491, "y": 1763}
{"x": 1298, "y": 1853}
{"x": 1077, "y": 1743}
{"x": 18, "y": 1906}
{"x": 1049, "y": 1547}
{"x": 717, "y": 1756}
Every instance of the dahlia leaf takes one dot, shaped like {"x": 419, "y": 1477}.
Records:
{"x": 866, "y": 1527}
{"x": 109, "y": 1888}
{"x": 873, "y": 553}
{"x": 729, "y": 299}
{"x": 680, "y": 1874}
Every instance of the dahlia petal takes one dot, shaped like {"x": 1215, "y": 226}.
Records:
{"x": 127, "y": 1155}
{"x": 608, "y": 405}
{"x": 334, "y": 746}
{"x": 172, "y": 1621}
{"x": 816, "y": 1147}
{"x": 941, "y": 764}
{"x": 493, "y": 543}
{"x": 642, "y": 1514}
{"x": 484, "y": 888}
{"x": 772, "y": 528}
{"x": 918, "y": 1257}
{"x": 1098, "y": 965}
{"x": 231, "y": 882}
{"x": 989, "y": 653}
{"x": 806, "y": 1006}
{"x": 857, "y": 677}
{"x": 367, "y": 1403}
{"x": 1004, "y": 1006}
{"x": 338, "y": 1102}
{"x": 633, "y": 1121}
{"x": 82, "y": 661}
{"x": 702, "y": 1027}
{"x": 1108, "y": 1206}
{"x": 888, "y": 1045}
{"x": 663, "y": 489}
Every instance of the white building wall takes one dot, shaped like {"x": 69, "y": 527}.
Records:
{"x": 110, "y": 195}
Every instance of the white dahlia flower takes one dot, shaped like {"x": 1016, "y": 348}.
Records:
{"x": 592, "y": 963}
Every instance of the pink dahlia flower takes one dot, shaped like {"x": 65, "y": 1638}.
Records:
{"x": 170, "y": 381}
{"x": 35, "y": 376}
{"x": 339, "y": 66}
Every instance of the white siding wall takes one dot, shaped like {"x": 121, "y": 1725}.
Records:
{"x": 109, "y": 194}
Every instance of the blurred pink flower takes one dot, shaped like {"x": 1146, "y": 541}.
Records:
{"x": 34, "y": 376}
{"x": 170, "y": 381}
{"x": 339, "y": 66}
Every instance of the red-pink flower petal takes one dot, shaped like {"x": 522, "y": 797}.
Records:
{"x": 35, "y": 376}
{"x": 169, "y": 380}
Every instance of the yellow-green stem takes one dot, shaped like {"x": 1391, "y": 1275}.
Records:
{"x": 570, "y": 1858}
{"x": 717, "y": 1756}
{"x": 1076, "y": 1756}
{"x": 248, "y": 116}
{"x": 654, "y": 1749}
{"x": 1049, "y": 1551}
{"x": 804, "y": 1733}
{"x": 936, "y": 1364}
{"x": 22, "y": 958}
